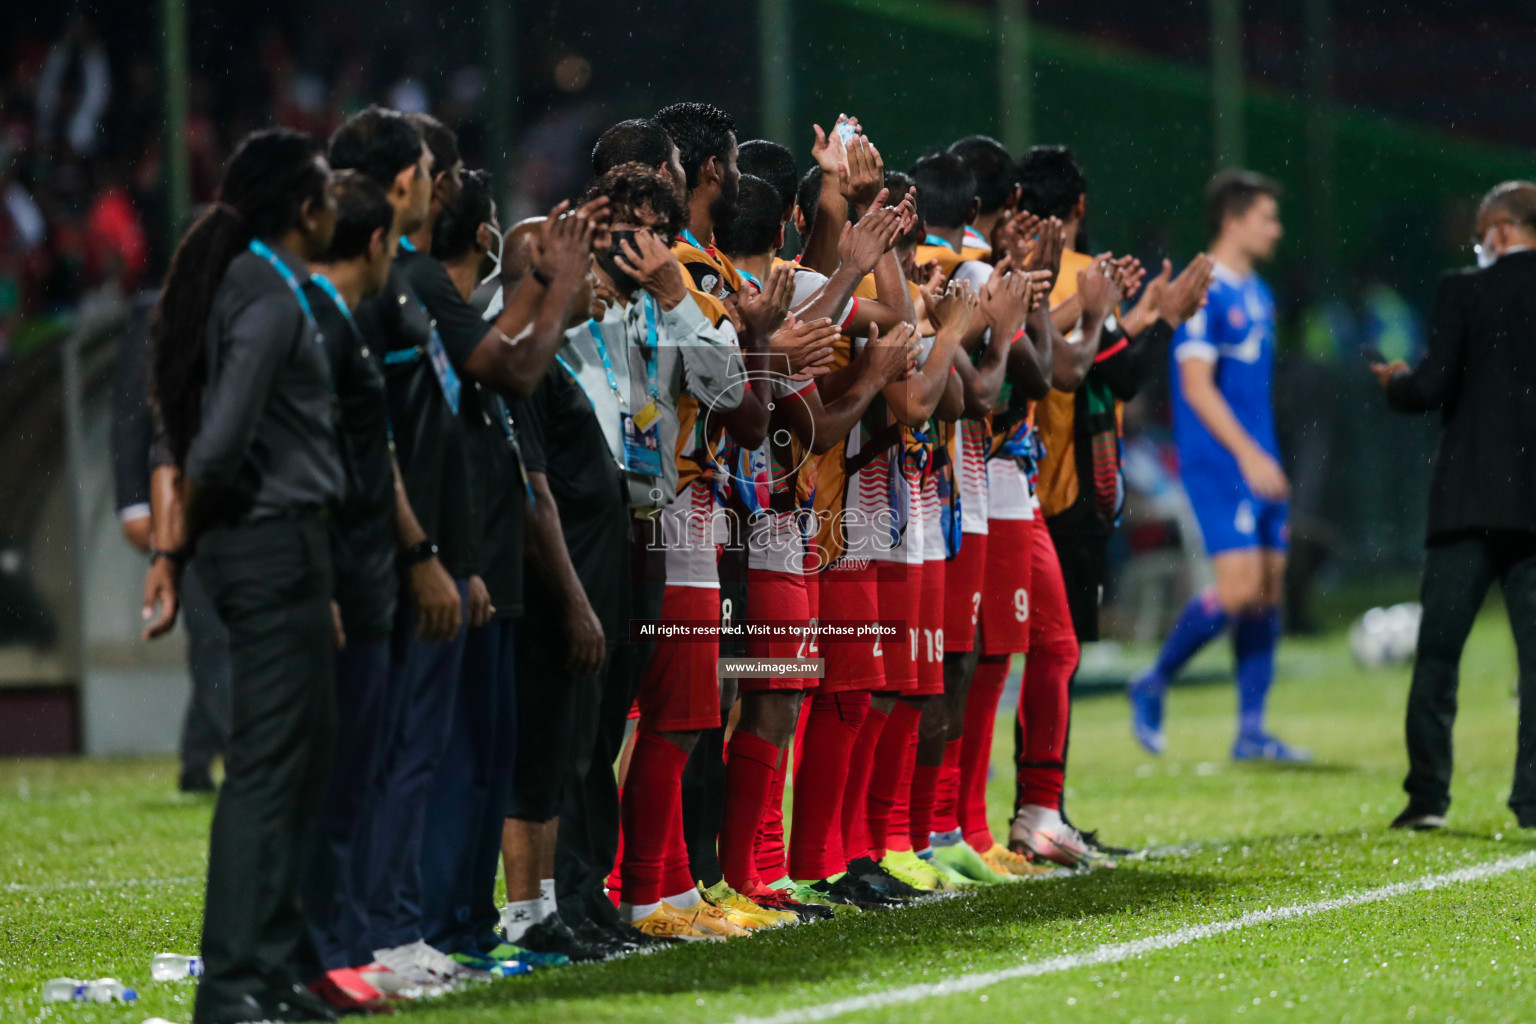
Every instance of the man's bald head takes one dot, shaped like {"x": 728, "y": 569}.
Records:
{"x": 517, "y": 249}
{"x": 1512, "y": 201}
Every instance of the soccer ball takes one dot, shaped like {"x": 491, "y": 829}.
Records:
{"x": 1386, "y": 636}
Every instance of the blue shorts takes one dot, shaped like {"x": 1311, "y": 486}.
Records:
{"x": 1232, "y": 518}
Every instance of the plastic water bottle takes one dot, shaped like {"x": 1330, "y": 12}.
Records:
{"x": 175, "y": 967}
{"x": 102, "y": 990}
{"x": 108, "y": 990}
{"x": 63, "y": 990}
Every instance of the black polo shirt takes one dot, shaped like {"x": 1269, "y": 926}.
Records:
{"x": 431, "y": 444}
{"x": 363, "y": 533}
{"x": 497, "y": 494}
{"x": 562, "y": 439}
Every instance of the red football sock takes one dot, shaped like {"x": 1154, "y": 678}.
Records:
{"x": 946, "y": 796}
{"x": 925, "y": 781}
{"x": 861, "y": 766}
{"x": 899, "y": 825}
{"x": 750, "y": 764}
{"x": 1043, "y": 713}
{"x": 976, "y": 750}
{"x": 768, "y": 853}
{"x": 892, "y": 775}
{"x": 652, "y": 814}
{"x": 815, "y": 837}
{"x": 614, "y": 881}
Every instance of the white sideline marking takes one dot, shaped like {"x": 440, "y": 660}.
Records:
{"x": 1115, "y": 952}
{"x": 117, "y": 883}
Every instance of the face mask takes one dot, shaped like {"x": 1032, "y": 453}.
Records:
{"x": 607, "y": 260}
{"x": 496, "y": 259}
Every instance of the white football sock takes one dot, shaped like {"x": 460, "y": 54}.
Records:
{"x": 548, "y": 907}
{"x": 517, "y": 918}
{"x": 684, "y": 900}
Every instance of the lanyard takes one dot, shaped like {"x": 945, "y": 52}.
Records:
{"x": 263, "y": 250}
{"x": 436, "y": 354}
{"x": 407, "y": 244}
{"x": 747, "y": 275}
{"x": 652, "y": 385}
{"x": 688, "y": 236}
{"x": 326, "y": 285}
{"x": 936, "y": 240}
{"x": 602, "y": 353}
{"x": 504, "y": 417}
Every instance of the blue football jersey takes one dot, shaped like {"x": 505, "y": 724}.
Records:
{"x": 1236, "y": 332}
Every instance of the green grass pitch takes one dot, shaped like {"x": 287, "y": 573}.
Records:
{"x": 100, "y": 864}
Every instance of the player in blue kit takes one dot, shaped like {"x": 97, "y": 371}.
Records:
{"x": 1223, "y": 370}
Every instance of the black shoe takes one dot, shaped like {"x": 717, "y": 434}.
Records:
{"x": 850, "y": 890}
{"x": 1092, "y": 839}
{"x": 553, "y": 935}
{"x": 882, "y": 881}
{"x": 597, "y": 935}
{"x": 196, "y": 780}
{"x": 1418, "y": 821}
{"x": 294, "y": 1003}
{"x": 630, "y": 935}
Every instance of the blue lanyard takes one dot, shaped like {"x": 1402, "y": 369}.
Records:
{"x": 263, "y": 250}
{"x": 326, "y": 285}
{"x": 650, "y": 345}
{"x": 651, "y": 375}
{"x": 504, "y": 415}
{"x": 407, "y": 244}
{"x": 747, "y": 275}
{"x": 602, "y": 353}
{"x": 688, "y": 236}
{"x": 936, "y": 240}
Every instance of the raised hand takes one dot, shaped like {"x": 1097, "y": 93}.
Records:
{"x": 866, "y": 173}
{"x": 955, "y": 310}
{"x": 1012, "y": 234}
{"x": 872, "y": 237}
{"x": 1141, "y": 315}
{"x": 1128, "y": 273}
{"x": 1097, "y": 290}
{"x": 890, "y": 356}
{"x": 562, "y": 247}
{"x": 805, "y": 345}
{"x": 828, "y": 150}
{"x": 1046, "y": 249}
{"x": 650, "y": 261}
{"x": 763, "y": 312}
{"x": 1185, "y": 294}
{"x": 907, "y": 209}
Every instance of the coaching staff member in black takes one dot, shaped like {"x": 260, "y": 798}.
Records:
{"x": 1480, "y": 373}
{"x": 244, "y": 395}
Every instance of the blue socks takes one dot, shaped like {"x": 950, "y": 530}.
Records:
{"x": 1201, "y": 622}
{"x": 1254, "y": 641}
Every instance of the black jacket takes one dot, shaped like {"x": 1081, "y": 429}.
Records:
{"x": 1481, "y": 374}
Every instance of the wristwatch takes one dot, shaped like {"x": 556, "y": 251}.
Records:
{"x": 419, "y": 552}
{"x": 177, "y": 558}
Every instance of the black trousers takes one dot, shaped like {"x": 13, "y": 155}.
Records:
{"x": 423, "y": 692}
{"x": 205, "y": 729}
{"x": 271, "y": 583}
{"x": 1458, "y": 571}
{"x": 466, "y": 809}
{"x": 333, "y": 897}
{"x": 587, "y": 841}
